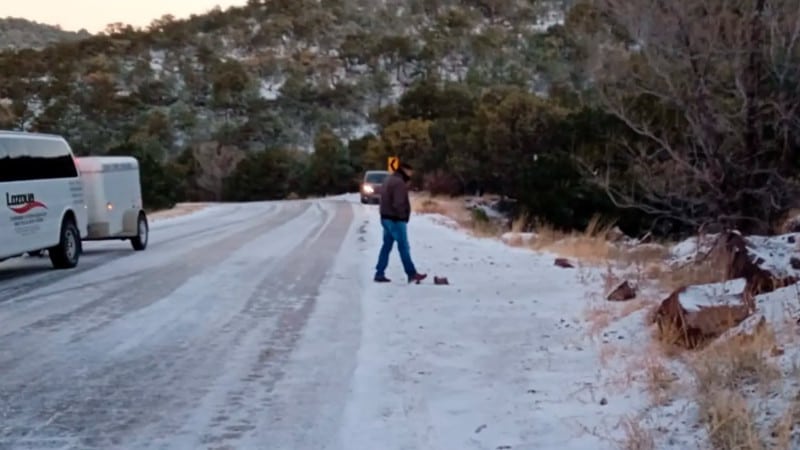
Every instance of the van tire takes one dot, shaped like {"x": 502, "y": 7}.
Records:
{"x": 139, "y": 242}
{"x": 66, "y": 254}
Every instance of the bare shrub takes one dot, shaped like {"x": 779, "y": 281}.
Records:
{"x": 441, "y": 183}
{"x": 702, "y": 90}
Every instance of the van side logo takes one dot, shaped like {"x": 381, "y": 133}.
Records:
{"x": 22, "y": 203}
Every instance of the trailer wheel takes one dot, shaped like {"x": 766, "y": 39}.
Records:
{"x": 66, "y": 254}
{"x": 139, "y": 242}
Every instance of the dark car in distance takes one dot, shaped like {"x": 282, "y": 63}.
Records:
{"x": 371, "y": 185}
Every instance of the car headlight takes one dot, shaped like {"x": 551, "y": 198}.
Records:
{"x": 368, "y": 189}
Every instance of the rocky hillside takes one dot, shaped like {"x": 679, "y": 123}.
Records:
{"x": 271, "y": 73}
{"x": 18, "y": 33}
{"x": 571, "y": 110}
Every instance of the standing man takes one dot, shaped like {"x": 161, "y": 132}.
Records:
{"x": 395, "y": 211}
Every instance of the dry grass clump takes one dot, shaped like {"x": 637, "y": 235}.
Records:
{"x": 721, "y": 372}
{"x": 596, "y": 244}
{"x": 599, "y": 242}
{"x": 646, "y": 262}
{"x": 783, "y": 429}
{"x": 450, "y": 207}
{"x": 600, "y": 314}
{"x": 740, "y": 360}
{"x": 789, "y": 223}
{"x": 482, "y": 225}
{"x": 711, "y": 269}
{"x": 474, "y": 220}
{"x": 668, "y": 339}
{"x": 660, "y": 381}
{"x": 637, "y": 436}
{"x": 593, "y": 245}
{"x": 730, "y": 422}
{"x": 598, "y": 317}
{"x": 516, "y": 240}
{"x": 427, "y": 205}
{"x": 644, "y": 366}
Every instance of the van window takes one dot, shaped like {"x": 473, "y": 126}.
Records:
{"x": 24, "y": 159}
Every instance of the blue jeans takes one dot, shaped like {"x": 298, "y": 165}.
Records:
{"x": 394, "y": 231}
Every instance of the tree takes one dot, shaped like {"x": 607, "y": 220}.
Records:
{"x": 428, "y": 100}
{"x": 409, "y": 140}
{"x": 357, "y": 150}
{"x": 494, "y": 10}
{"x": 511, "y": 127}
{"x": 264, "y": 128}
{"x": 159, "y": 182}
{"x": 155, "y": 128}
{"x": 211, "y": 163}
{"x": 230, "y": 84}
{"x": 710, "y": 90}
{"x": 264, "y": 175}
{"x": 7, "y": 116}
{"x": 329, "y": 171}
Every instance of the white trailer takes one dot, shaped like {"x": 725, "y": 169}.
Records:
{"x": 113, "y": 193}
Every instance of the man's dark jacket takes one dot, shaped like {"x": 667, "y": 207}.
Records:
{"x": 395, "y": 204}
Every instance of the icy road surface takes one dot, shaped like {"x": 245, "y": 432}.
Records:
{"x": 258, "y": 327}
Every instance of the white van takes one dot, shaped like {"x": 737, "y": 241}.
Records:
{"x": 114, "y": 197}
{"x": 44, "y": 207}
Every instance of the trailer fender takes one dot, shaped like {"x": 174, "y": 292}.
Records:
{"x": 130, "y": 222}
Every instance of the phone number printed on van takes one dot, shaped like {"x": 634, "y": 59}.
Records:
{"x": 28, "y": 217}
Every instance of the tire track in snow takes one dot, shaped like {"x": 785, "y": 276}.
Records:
{"x": 70, "y": 380}
{"x": 85, "y": 314}
{"x": 234, "y": 415}
{"x": 106, "y": 280}
{"x": 223, "y": 348}
{"x": 48, "y": 306}
{"x": 37, "y": 276}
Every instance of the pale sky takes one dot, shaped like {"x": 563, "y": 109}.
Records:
{"x": 94, "y": 15}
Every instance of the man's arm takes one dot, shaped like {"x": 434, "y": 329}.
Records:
{"x": 399, "y": 198}
{"x": 403, "y": 202}
{"x": 388, "y": 192}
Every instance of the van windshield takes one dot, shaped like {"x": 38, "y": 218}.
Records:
{"x": 376, "y": 177}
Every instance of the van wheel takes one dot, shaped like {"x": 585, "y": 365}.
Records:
{"x": 139, "y": 242}
{"x": 65, "y": 255}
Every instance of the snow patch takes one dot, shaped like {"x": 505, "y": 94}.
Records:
{"x": 271, "y": 89}
{"x": 35, "y": 109}
{"x": 551, "y": 19}
{"x": 775, "y": 253}
{"x": 691, "y": 248}
{"x": 157, "y": 58}
{"x": 697, "y": 297}
{"x": 357, "y": 131}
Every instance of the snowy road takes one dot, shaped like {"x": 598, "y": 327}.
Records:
{"x": 258, "y": 327}
{"x": 180, "y": 346}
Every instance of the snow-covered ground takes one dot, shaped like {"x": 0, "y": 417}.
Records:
{"x": 500, "y": 358}
{"x": 263, "y": 329}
